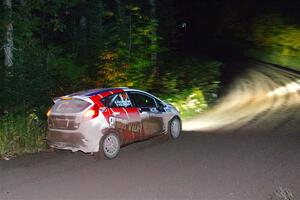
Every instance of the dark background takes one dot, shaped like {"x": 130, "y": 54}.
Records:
{"x": 170, "y": 48}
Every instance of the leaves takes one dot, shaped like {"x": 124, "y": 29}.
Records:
{"x": 66, "y": 46}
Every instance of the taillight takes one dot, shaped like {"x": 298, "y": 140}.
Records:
{"x": 92, "y": 112}
{"x": 48, "y": 113}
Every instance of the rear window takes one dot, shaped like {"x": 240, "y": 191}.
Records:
{"x": 70, "y": 106}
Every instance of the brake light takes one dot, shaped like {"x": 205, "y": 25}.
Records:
{"x": 92, "y": 112}
{"x": 48, "y": 113}
{"x": 89, "y": 113}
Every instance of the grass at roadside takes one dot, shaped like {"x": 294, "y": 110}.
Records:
{"x": 21, "y": 134}
{"x": 280, "y": 55}
{"x": 276, "y": 57}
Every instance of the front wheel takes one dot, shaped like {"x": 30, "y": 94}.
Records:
{"x": 175, "y": 128}
{"x": 110, "y": 145}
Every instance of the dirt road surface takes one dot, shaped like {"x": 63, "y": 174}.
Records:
{"x": 245, "y": 148}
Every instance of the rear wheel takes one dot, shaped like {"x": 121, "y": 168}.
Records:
{"x": 175, "y": 128}
{"x": 110, "y": 145}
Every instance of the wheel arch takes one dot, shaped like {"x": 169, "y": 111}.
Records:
{"x": 169, "y": 123}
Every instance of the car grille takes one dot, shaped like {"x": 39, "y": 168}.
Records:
{"x": 62, "y": 122}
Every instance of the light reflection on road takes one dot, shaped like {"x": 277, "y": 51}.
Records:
{"x": 261, "y": 98}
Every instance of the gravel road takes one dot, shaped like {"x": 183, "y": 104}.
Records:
{"x": 245, "y": 148}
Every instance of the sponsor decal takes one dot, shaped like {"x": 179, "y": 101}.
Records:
{"x": 134, "y": 127}
{"x": 123, "y": 124}
{"x": 122, "y": 103}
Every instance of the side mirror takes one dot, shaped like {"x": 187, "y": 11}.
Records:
{"x": 161, "y": 108}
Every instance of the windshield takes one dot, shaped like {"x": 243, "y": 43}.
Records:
{"x": 70, "y": 106}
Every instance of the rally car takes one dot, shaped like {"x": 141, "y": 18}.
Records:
{"x": 102, "y": 120}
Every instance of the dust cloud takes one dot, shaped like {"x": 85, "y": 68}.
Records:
{"x": 261, "y": 97}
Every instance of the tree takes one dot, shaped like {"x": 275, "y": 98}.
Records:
{"x": 153, "y": 32}
{"x": 8, "y": 44}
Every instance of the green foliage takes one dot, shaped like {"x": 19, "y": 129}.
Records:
{"x": 270, "y": 36}
{"x": 275, "y": 56}
{"x": 21, "y": 134}
{"x": 190, "y": 73}
{"x": 276, "y": 40}
{"x": 271, "y": 30}
{"x": 130, "y": 42}
{"x": 188, "y": 102}
{"x": 192, "y": 85}
{"x": 65, "y": 46}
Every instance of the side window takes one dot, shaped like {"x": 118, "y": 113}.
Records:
{"x": 104, "y": 101}
{"x": 120, "y": 100}
{"x": 160, "y": 105}
{"x": 142, "y": 101}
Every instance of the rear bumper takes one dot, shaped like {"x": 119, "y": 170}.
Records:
{"x": 74, "y": 141}
{"x": 85, "y": 138}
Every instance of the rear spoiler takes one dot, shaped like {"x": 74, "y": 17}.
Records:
{"x": 68, "y": 97}
{"x": 56, "y": 99}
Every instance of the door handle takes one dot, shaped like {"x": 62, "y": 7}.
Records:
{"x": 144, "y": 110}
{"x": 116, "y": 113}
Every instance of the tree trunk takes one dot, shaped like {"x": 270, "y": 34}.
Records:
{"x": 83, "y": 34}
{"x": 8, "y": 43}
{"x": 119, "y": 8}
{"x": 123, "y": 20}
{"x": 154, "y": 31}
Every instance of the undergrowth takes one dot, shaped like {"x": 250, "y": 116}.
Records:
{"x": 21, "y": 134}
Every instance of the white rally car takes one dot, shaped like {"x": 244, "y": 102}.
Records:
{"x": 101, "y": 120}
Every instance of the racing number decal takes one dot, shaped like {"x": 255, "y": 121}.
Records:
{"x": 112, "y": 121}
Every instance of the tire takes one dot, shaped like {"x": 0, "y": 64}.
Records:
{"x": 110, "y": 145}
{"x": 175, "y": 128}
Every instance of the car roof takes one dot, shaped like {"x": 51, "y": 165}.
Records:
{"x": 103, "y": 92}
{"x": 93, "y": 92}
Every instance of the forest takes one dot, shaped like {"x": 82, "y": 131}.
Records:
{"x": 52, "y": 48}
{"x": 170, "y": 48}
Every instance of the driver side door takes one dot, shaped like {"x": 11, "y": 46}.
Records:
{"x": 151, "y": 117}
